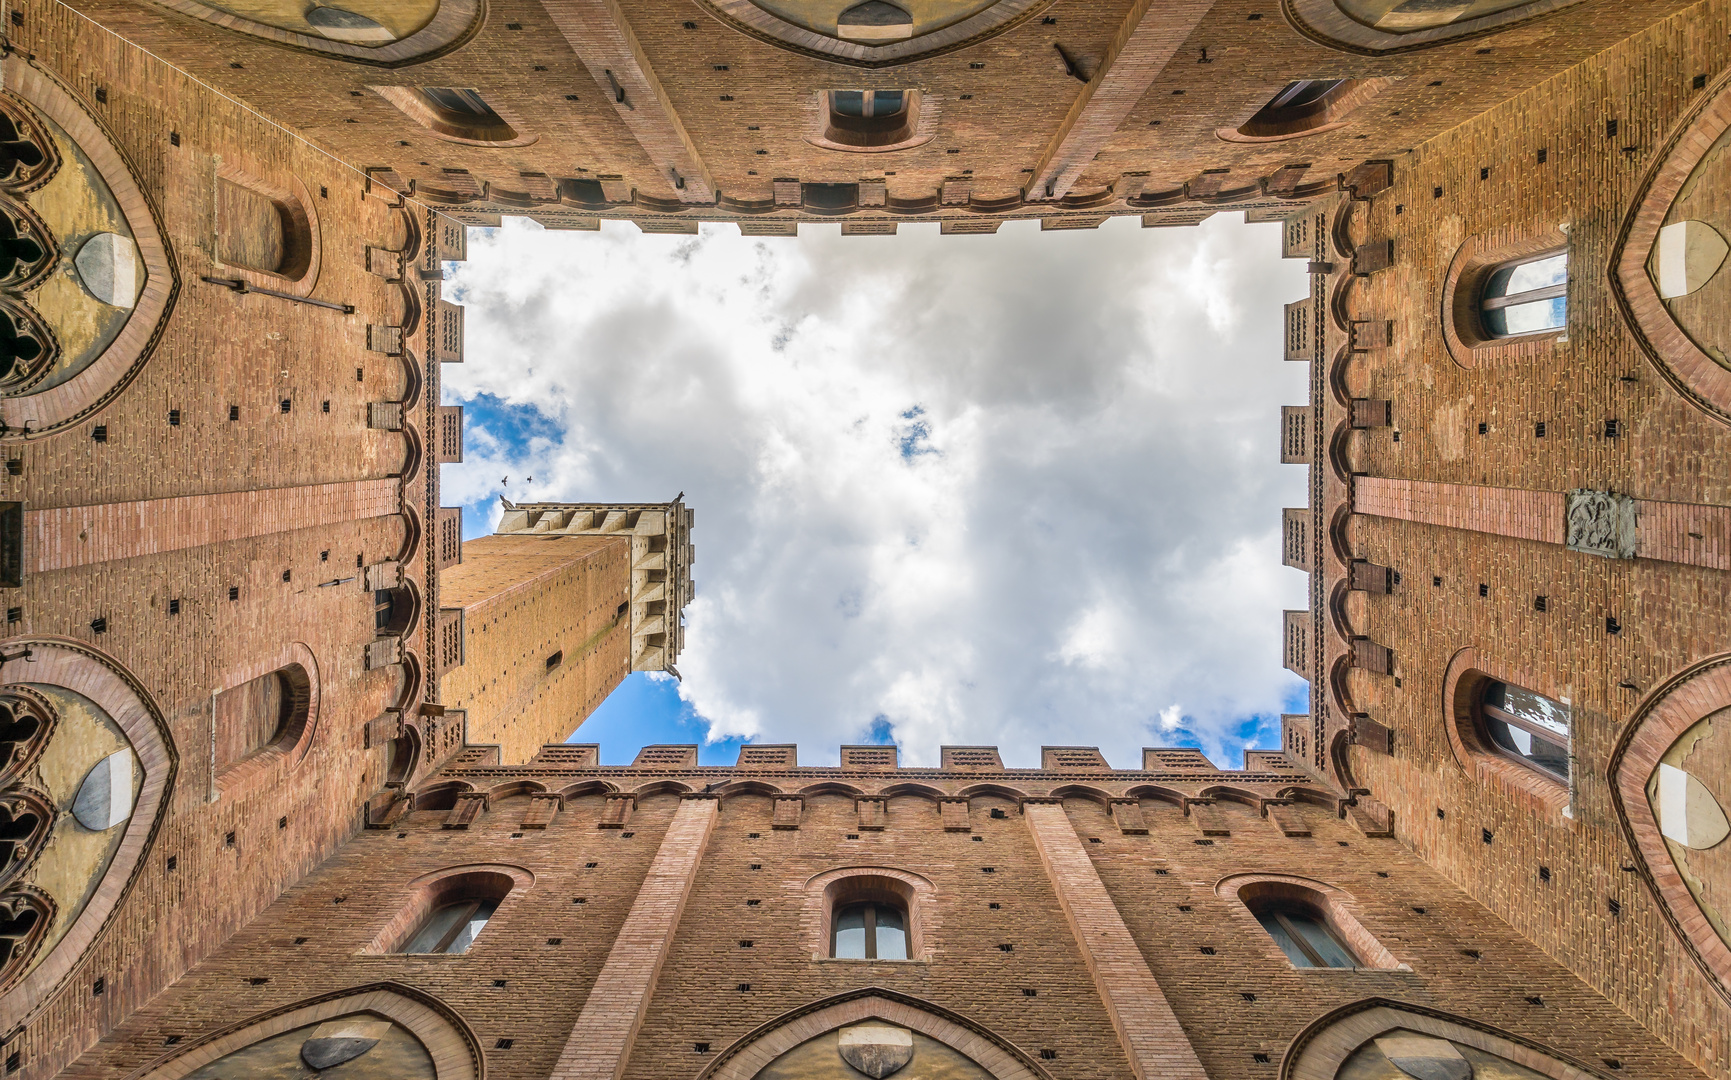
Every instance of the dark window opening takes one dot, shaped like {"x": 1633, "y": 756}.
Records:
{"x": 871, "y": 118}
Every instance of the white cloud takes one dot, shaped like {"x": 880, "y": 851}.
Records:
{"x": 1019, "y": 489}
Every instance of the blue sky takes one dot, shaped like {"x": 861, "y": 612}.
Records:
{"x": 1012, "y": 490}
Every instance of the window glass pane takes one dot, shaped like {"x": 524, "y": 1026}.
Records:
{"x": 1303, "y": 92}
{"x": 892, "y": 935}
{"x": 433, "y": 931}
{"x": 1538, "y": 274}
{"x": 1320, "y": 940}
{"x": 1530, "y": 318}
{"x": 1523, "y": 704}
{"x": 459, "y": 101}
{"x": 850, "y": 934}
{"x": 1553, "y": 757}
{"x": 887, "y": 103}
{"x": 1283, "y": 939}
{"x": 1498, "y": 284}
{"x": 847, "y": 102}
{"x": 466, "y": 936}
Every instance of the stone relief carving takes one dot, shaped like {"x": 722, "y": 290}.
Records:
{"x": 1602, "y": 523}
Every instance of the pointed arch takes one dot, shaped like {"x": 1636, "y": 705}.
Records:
{"x": 452, "y": 1044}
{"x": 993, "y": 1053}
{"x": 1318, "y": 1051}
{"x": 58, "y": 673}
{"x": 1670, "y": 729}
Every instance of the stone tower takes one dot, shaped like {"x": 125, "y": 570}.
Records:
{"x": 555, "y": 609}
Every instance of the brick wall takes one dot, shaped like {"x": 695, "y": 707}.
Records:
{"x": 525, "y": 600}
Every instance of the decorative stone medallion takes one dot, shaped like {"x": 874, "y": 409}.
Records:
{"x": 876, "y": 1049}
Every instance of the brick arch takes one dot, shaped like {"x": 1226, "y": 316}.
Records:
{"x": 509, "y": 788}
{"x": 748, "y": 787}
{"x": 455, "y": 1050}
{"x": 1232, "y": 794}
{"x": 914, "y": 890}
{"x": 920, "y": 791}
{"x": 1318, "y": 1051}
{"x": 1473, "y": 262}
{"x": 1668, "y": 710}
{"x": 1679, "y": 360}
{"x": 501, "y": 881}
{"x": 832, "y": 787}
{"x": 1156, "y": 792}
{"x": 1002, "y": 791}
{"x": 661, "y": 787}
{"x": 104, "y": 681}
{"x": 1323, "y": 22}
{"x": 587, "y": 787}
{"x": 1333, "y": 903}
{"x": 758, "y": 22}
{"x": 455, "y": 23}
{"x": 993, "y": 1053}
{"x": 100, "y": 381}
{"x": 300, "y": 667}
{"x": 1310, "y": 795}
{"x": 441, "y": 796}
{"x": 302, "y": 237}
{"x": 1081, "y": 791}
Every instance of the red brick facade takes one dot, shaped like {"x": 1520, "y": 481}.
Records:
{"x": 236, "y": 605}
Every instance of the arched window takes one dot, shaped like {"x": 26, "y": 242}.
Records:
{"x": 261, "y": 714}
{"x": 263, "y": 227}
{"x": 395, "y": 610}
{"x": 453, "y": 112}
{"x": 1306, "y": 107}
{"x": 1298, "y": 98}
{"x": 451, "y": 928}
{"x": 874, "y": 930}
{"x": 1526, "y": 296}
{"x": 1528, "y": 727}
{"x": 1312, "y": 922}
{"x": 1303, "y": 934}
{"x": 870, "y": 119}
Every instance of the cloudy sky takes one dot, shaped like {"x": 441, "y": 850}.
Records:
{"x": 1019, "y": 490}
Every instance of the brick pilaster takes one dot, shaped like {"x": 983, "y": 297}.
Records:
{"x": 1153, "y": 1039}
{"x": 600, "y": 1043}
